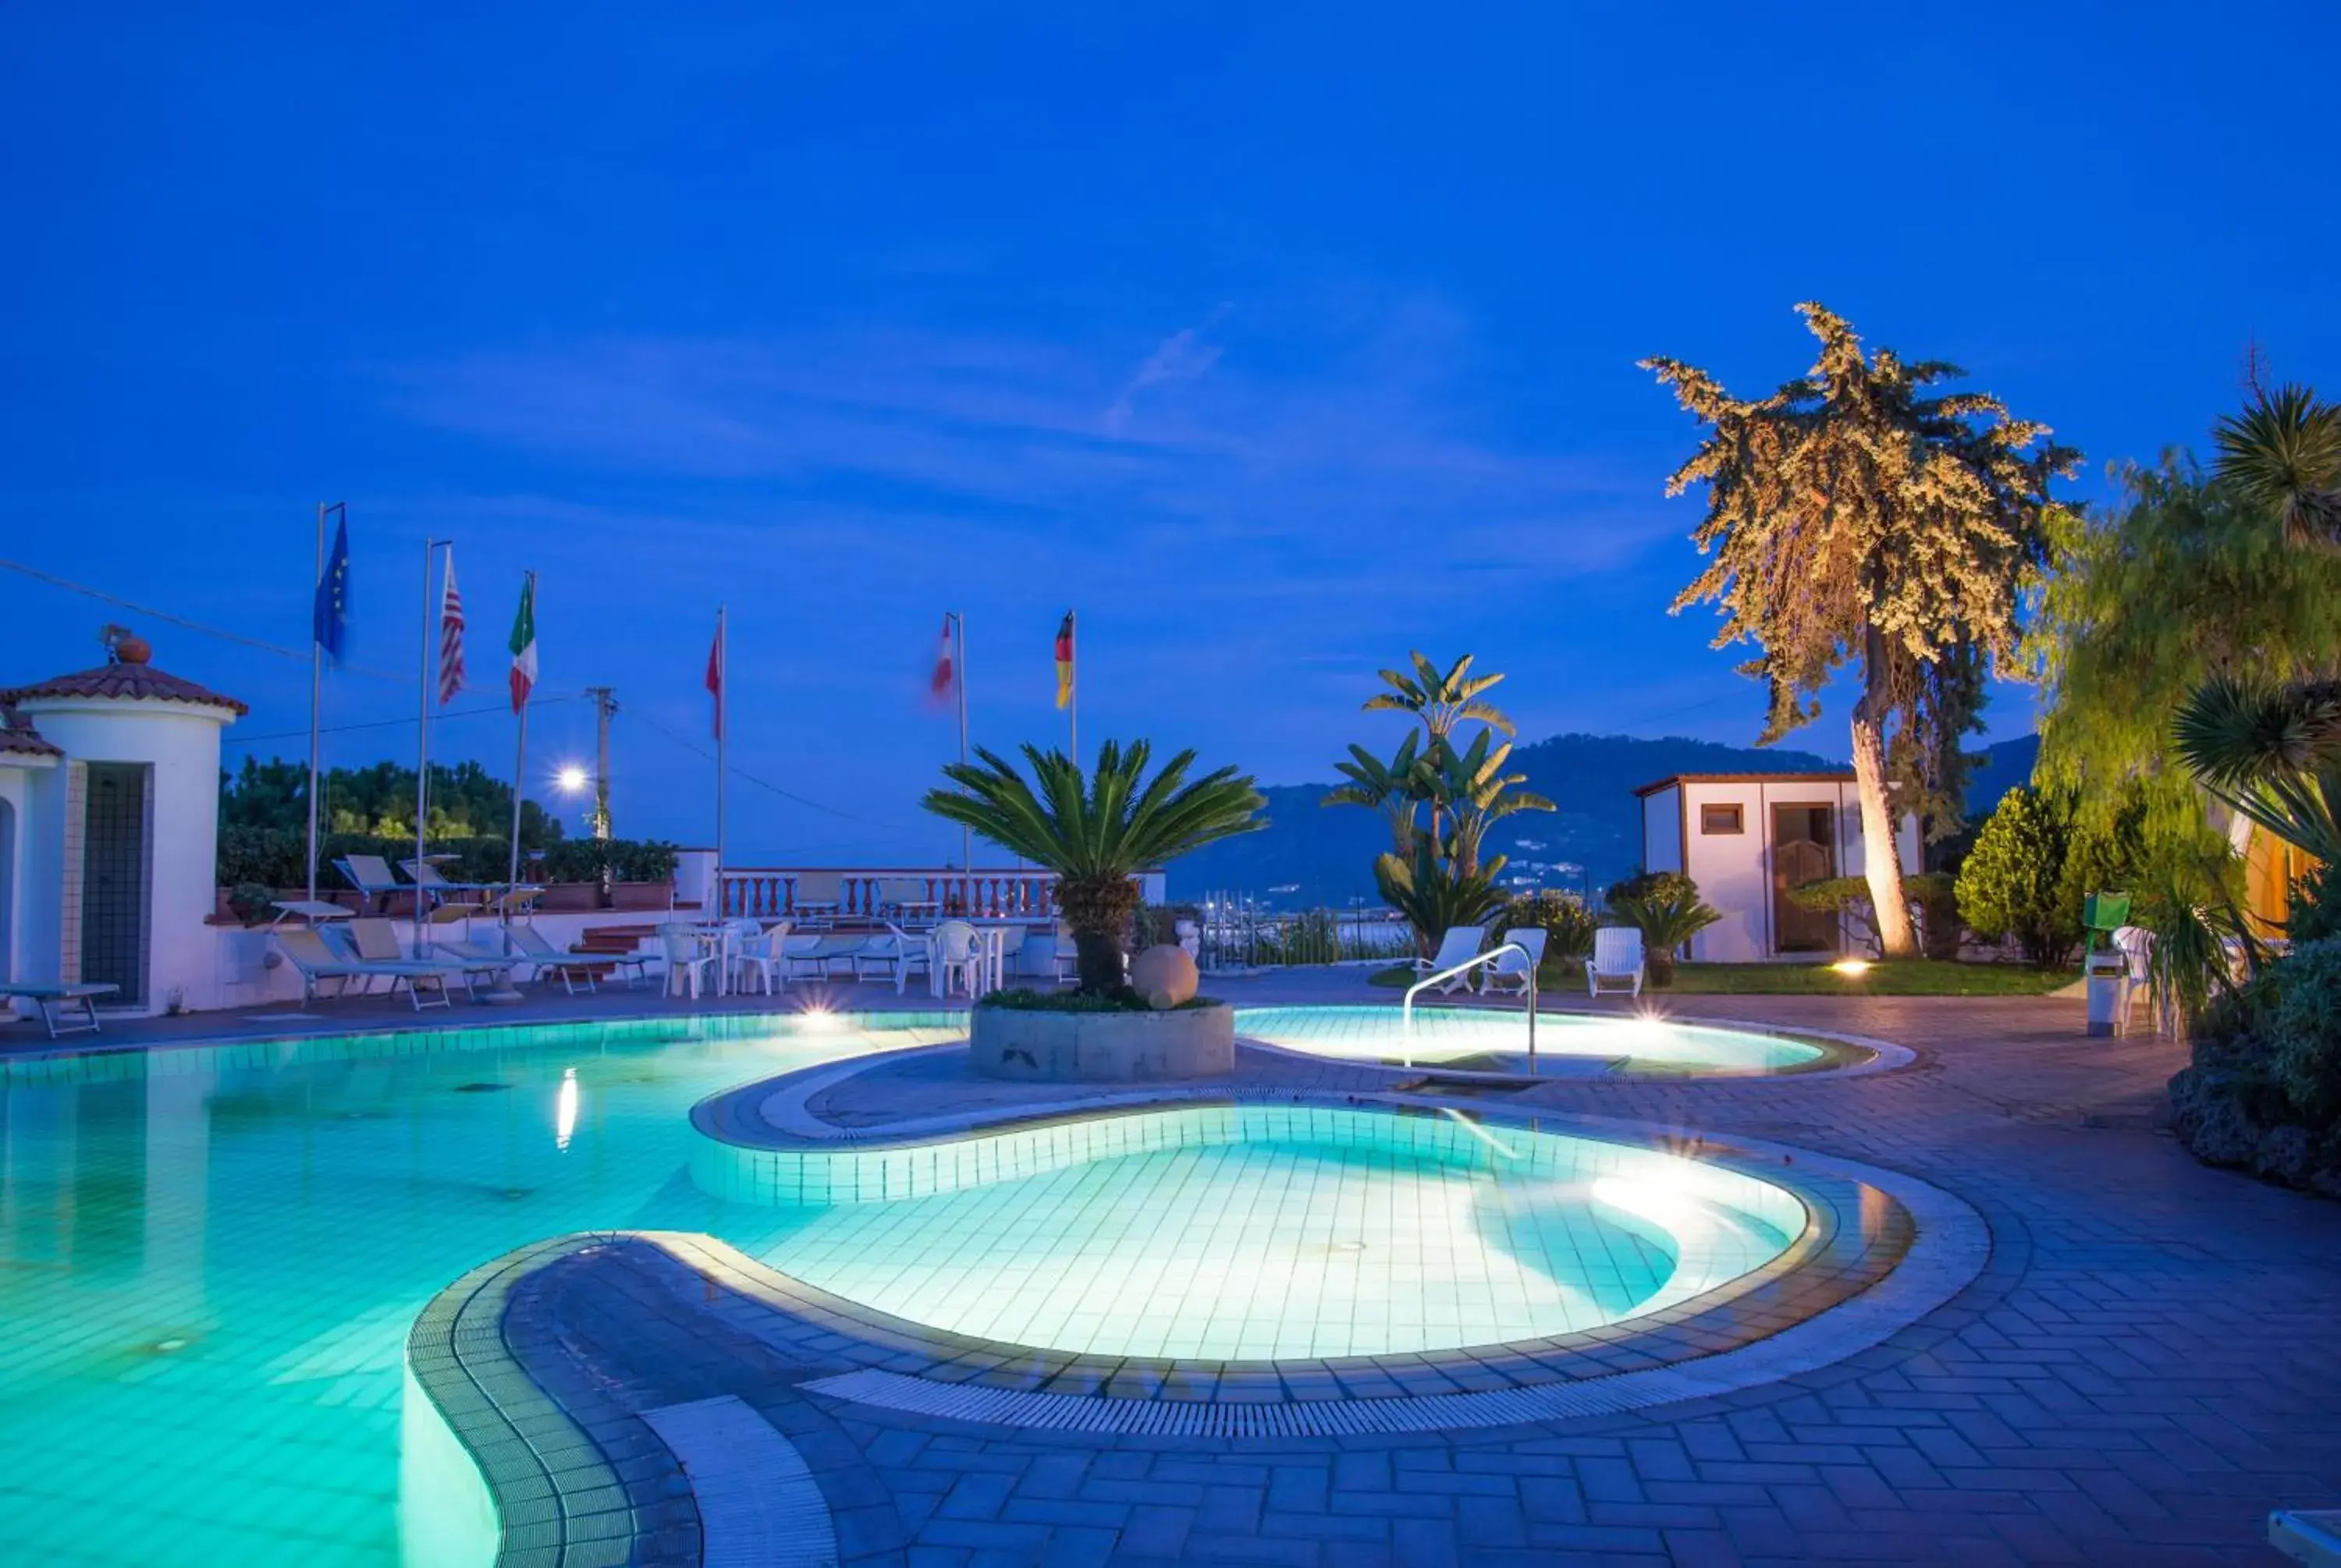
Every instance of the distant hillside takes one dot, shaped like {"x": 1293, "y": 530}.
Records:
{"x": 1312, "y": 854}
{"x": 2003, "y": 767}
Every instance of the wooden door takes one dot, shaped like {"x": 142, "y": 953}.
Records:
{"x": 1804, "y": 849}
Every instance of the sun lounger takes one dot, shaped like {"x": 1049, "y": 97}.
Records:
{"x": 1617, "y": 961}
{"x": 59, "y": 1002}
{"x": 1460, "y": 944}
{"x": 306, "y": 950}
{"x": 371, "y": 875}
{"x": 442, "y": 891}
{"x": 534, "y": 948}
{"x": 1509, "y": 971}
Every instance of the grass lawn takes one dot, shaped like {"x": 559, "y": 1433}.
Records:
{"x": 1901, "y": 978}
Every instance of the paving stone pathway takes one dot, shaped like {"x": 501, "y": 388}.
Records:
{"x": 2148, "y": 1365}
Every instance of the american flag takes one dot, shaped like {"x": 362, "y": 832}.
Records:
{"x": 450, "y": 638}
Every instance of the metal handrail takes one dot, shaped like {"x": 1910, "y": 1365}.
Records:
{"x": 1406, "y": 1009}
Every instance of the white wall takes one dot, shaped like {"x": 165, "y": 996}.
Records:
{"x": 180, "y": 742}
{"x": 1662, "y": 829}
{"x": 17, "y": 780}
{"x": 1734, "y": 871}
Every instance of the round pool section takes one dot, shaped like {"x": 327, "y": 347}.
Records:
{"x": 1260, "y": 1233}
{"x": 1493, "y": 1039}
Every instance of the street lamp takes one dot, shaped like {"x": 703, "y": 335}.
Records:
{"x": 572, "y": 779}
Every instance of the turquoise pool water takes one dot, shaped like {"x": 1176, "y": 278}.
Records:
{"x": 1498, "y": 1038}
{"x": 1262, "y": 1232}
{"x": 210, "y": 1258}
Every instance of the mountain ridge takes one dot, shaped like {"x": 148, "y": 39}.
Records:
{"x": 1311, "y": 854}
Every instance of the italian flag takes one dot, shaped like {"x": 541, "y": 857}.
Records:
{"x": 524, "y": 644}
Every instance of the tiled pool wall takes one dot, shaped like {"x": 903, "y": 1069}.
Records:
{"x": 866, "y": 1174}
{"x": 1365, "y": 1032}
{"x": 101, "y": 1064}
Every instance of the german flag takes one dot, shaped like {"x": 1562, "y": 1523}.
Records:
{"x": 1065, "y": 660}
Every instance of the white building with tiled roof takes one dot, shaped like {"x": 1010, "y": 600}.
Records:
{"x": 109, "y": 822}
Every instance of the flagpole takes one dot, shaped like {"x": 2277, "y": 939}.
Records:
{"x": 422, "y": 745}
{"x": 519, "y": 762}
{"x": 723, "y": 740}
{"x": 1074, "y": 701}
{"x": 959, "y": 651}
{"x": 316, "y": 695}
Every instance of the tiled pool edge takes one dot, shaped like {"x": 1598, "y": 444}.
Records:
{"x": 559, "y": 1499}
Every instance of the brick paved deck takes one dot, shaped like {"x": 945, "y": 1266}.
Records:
{"x": 2146, "y": 1368}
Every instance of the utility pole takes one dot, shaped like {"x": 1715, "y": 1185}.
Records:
{"x": 605, "y": 705}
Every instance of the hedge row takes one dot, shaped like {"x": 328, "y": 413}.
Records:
{"x": 273, "y": 858}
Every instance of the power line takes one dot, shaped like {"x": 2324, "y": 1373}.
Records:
{"x": 393, "y": 723}
{"x": 740, "y": 772}
{"x": 238, "y": 638}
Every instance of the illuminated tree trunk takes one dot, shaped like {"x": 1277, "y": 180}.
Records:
{"x": 1881, "y": 857}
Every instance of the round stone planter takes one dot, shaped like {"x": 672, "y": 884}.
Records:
{"x": 1104, "y": 1047}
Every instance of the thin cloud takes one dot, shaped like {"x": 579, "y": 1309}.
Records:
{"x": 1183, "y": 356}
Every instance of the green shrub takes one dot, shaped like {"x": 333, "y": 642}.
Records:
{"x": 2303, "y": 1027}
{"x": 1567, "y": 924}
{"x": 1849, "y": 898}
{"x": 2317, "y": 906}
{"x": 1025, "y": 999}
{"x": 629, "y": 860}
{"x": 1667, "y": 910}
{"x": 2013, "y": 882}
{"x": 1436, "y": 896}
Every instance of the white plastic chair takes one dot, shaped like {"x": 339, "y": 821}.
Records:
{"x": 1065, "y": 962}
{"x": 688, "y": 964}
{"x": 1509, "y": 972}
{"x": 1460, "y": 943}
{"x": 756, "y": 951}
{"x": 896, "y": 955}
{"x": 954, "y": 957}
{"x": 1617, "y": 962}
{"x": 2136, "y": 946}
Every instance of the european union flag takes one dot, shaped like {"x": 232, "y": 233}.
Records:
{"x": 333, "y": 616}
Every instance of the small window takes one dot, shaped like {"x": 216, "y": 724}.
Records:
{"x": 1721, "y": 820}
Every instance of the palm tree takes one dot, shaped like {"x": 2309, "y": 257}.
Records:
{"x": 1096, "y": 834}
{"x": 1435, "y": 895}
{"x": 1858, "y": 515}
{"x": 2272, "y": 752}
{"x": 1476, "y": 788}
{"x": 1440, "y": 701}
{"x": 2284, "y": 454}
{"x": 1391, "y": 787}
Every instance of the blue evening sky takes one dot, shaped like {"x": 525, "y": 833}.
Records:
{"x": 1275, "y": 341}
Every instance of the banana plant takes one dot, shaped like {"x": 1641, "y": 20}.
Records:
{"x": 1440, "y": 701}
{"x": 1391, "y": 787}
{"x": 1472, "y": 785}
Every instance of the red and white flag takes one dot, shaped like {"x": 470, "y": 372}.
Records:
{"x": 940, "y": 688}
{"x": 715, "y": 675}
{"x": 451, "y": 637}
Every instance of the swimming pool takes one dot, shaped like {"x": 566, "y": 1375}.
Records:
{"x": 210, "y": 1257}
{"x": 1269, "y": 1232}
{"x": 1496, "y": 1039}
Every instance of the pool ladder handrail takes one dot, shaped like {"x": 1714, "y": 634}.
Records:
{"x": 1406, "y": 1009}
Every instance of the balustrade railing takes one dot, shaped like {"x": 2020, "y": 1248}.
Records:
{"x": 801, "y": 892}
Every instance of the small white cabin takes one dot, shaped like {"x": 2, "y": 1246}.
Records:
{"x": 1747, "y": 838}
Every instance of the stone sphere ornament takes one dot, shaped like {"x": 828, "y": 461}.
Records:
{"x": 1165, "y": 975}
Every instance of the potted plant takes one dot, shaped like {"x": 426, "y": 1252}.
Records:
{"x": 251, "y": 901}
{"x": 1096, "y": 833}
